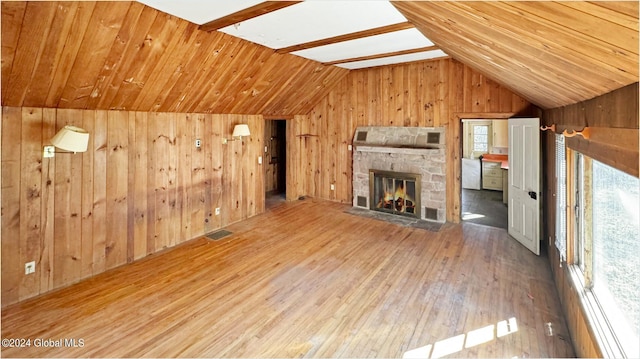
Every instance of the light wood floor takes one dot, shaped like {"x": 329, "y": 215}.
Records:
{"x": 307, "y": 279}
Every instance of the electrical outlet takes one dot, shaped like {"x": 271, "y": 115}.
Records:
{"x": 259, "y": 160}
{"x": 198, "y": 143}
{"x": 333, "y": 187}
{"x": 30, "y": 267}
{"x": 217, "y": 211}
{"x": 350, "y": 147}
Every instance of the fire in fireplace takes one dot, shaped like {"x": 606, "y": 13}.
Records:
{"x": 395, "y": 192}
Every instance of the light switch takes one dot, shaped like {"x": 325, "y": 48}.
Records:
{"x": 259, "y": 160}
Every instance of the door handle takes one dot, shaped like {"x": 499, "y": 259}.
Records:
{"x": 533, "y": 195}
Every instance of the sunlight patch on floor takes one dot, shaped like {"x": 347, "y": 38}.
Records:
{"x": 467, "y": 216}
{"x": 471, "y": 339}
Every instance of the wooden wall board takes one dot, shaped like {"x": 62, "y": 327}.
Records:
{"x": 139, "y": 166}
{"x": 295, "y": 174}
{"x": 117, "y": 182}
{"x": 11, "y": 197}
{"x": 87, "y": 193}
{"x": 47, "y": 211}
{"x": 141, "y": 187}
{"x": 30, "y": 195}
{"x": 100, "y": 148}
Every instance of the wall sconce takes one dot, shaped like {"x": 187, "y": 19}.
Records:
{"x": 70, "y": 138}
{"x": 239, "y": 131}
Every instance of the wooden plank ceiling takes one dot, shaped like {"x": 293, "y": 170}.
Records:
{"x": 551, "y": 53}
{"x": 126, "y": 55}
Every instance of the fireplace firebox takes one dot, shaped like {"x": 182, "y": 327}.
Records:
{"x": 395, "y": 192}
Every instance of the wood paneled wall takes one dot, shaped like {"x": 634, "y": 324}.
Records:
{"x": 618, "y": 112}
{"x": 141, "y": 187}
{"x": 428, "y": 94}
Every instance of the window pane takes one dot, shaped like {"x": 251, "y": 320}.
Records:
{"x": 480, "y": 130}
{"x": 480, "y": 138}
{"x": 478, "y": 146}
{"x": 616, "y": 245}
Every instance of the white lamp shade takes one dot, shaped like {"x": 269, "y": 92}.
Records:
{"x": 71, "y": 138}
{"x": 241, "y": 130}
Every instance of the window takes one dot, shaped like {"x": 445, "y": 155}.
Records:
{"x": 477, "y": 137}
{"x": 606, "y": 247}
{"x": 616, "y": 245}
{"x": 480, "y": 138}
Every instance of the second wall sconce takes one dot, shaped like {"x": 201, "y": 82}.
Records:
{"x": 70, "y": 138}
{"x": 239, "y": 131}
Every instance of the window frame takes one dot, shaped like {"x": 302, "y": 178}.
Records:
{"x": 580, "y": 252}
{"x": 469, "y": 144}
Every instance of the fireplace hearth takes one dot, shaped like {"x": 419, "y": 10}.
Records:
{"x": 395, "y": 192}
{"x": 400, "y": 170}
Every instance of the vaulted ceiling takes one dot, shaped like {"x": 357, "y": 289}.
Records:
{"x": 551, "y": 53}
{"x": 126, "y": 55}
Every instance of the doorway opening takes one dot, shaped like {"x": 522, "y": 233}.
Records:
{"x": 275, "y": 159}
{"x": 484, "y": 149}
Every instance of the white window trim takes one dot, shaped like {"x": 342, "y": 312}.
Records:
{"x": 599, "y": 326}
{"x": 597, "y": 323}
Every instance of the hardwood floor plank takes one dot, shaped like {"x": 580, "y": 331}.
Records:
{"x": 307, "y": 279}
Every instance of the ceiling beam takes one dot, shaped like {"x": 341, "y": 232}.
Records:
{"x": 347, "y": 37}
{"x": 383, "y": 55}
{"x": 246, "y": 14}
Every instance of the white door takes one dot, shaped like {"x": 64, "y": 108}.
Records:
{"x": 524, "y": 182}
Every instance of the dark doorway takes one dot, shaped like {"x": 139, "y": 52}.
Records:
{"x": 276, "y": 162}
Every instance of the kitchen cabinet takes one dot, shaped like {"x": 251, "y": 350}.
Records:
{"x": 500, "y": 133}
{"x": 491, "y": 175}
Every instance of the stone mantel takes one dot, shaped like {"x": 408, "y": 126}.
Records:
{"x": 399, "y": 150}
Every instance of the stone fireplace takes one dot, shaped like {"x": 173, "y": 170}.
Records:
{"x": 400, "y": 170}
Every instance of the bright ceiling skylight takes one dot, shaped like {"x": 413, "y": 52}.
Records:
{"x": 314, "y": 20}
{"x": 419, "y": 56}
{"x": 372, "y": 45}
